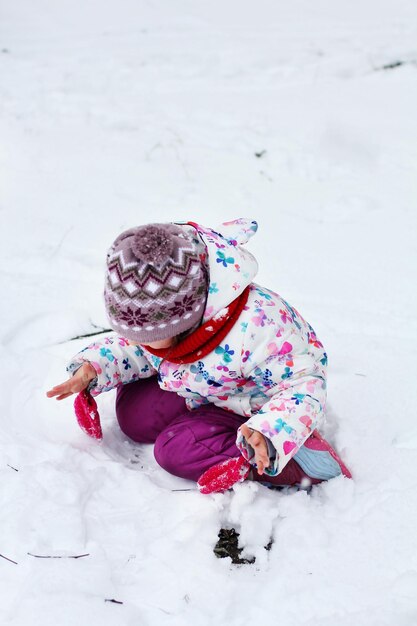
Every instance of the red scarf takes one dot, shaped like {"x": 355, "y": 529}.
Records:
{"x": 206, "y": 337}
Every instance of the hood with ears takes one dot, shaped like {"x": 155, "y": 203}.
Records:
{"x": 231, "y": 267}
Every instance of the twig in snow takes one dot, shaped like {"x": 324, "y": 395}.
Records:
{"x": 100, "y": 332}
{"x": 391, "y": 66}
{"x": 112, "y": 600}
{"x": 55, "y": 250}
{"x": 51, "y": 556}
{"x": 394, "y": 64}
{"x": 7, "y": 559}
{"x": 13, "y": 468}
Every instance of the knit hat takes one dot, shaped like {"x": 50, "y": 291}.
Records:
{"x": 156, "y": 282}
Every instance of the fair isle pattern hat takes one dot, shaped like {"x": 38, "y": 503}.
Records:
{"x": 156, "y": 282}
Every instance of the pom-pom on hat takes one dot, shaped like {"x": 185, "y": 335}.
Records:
{"x": 156, "y": 282}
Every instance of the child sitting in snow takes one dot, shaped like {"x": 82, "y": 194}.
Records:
{"x": 247, "y": 374}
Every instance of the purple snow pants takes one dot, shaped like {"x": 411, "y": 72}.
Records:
{"x": 187, "y": 443}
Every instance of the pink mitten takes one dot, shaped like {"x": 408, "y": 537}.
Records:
{"x": 224, "y": 475}
{"x": 87, "y": 415}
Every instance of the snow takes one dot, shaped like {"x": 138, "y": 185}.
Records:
{"x": 118, "y": 113}
{"x": 221, "y": 314}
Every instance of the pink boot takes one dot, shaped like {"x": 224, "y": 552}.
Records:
{"x": 315, "y": 462}
{"x": 318, "y": 459}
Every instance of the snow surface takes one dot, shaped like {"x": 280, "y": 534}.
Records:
{"x": 114, "y": 114}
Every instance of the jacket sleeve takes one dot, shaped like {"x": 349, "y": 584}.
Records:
{"x": 287, "y": 363}
{"x": 116, "y": 362}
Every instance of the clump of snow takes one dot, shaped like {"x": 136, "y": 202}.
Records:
{"x": 221, "y": 314}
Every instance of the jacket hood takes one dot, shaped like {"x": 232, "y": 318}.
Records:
{"x": 231, "y": 267}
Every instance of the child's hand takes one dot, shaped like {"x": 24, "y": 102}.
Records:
{"x": 258, "y": 443}
{"x": 75, "y": 384}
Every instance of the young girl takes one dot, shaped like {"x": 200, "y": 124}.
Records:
{"x": 222, "y": 375}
